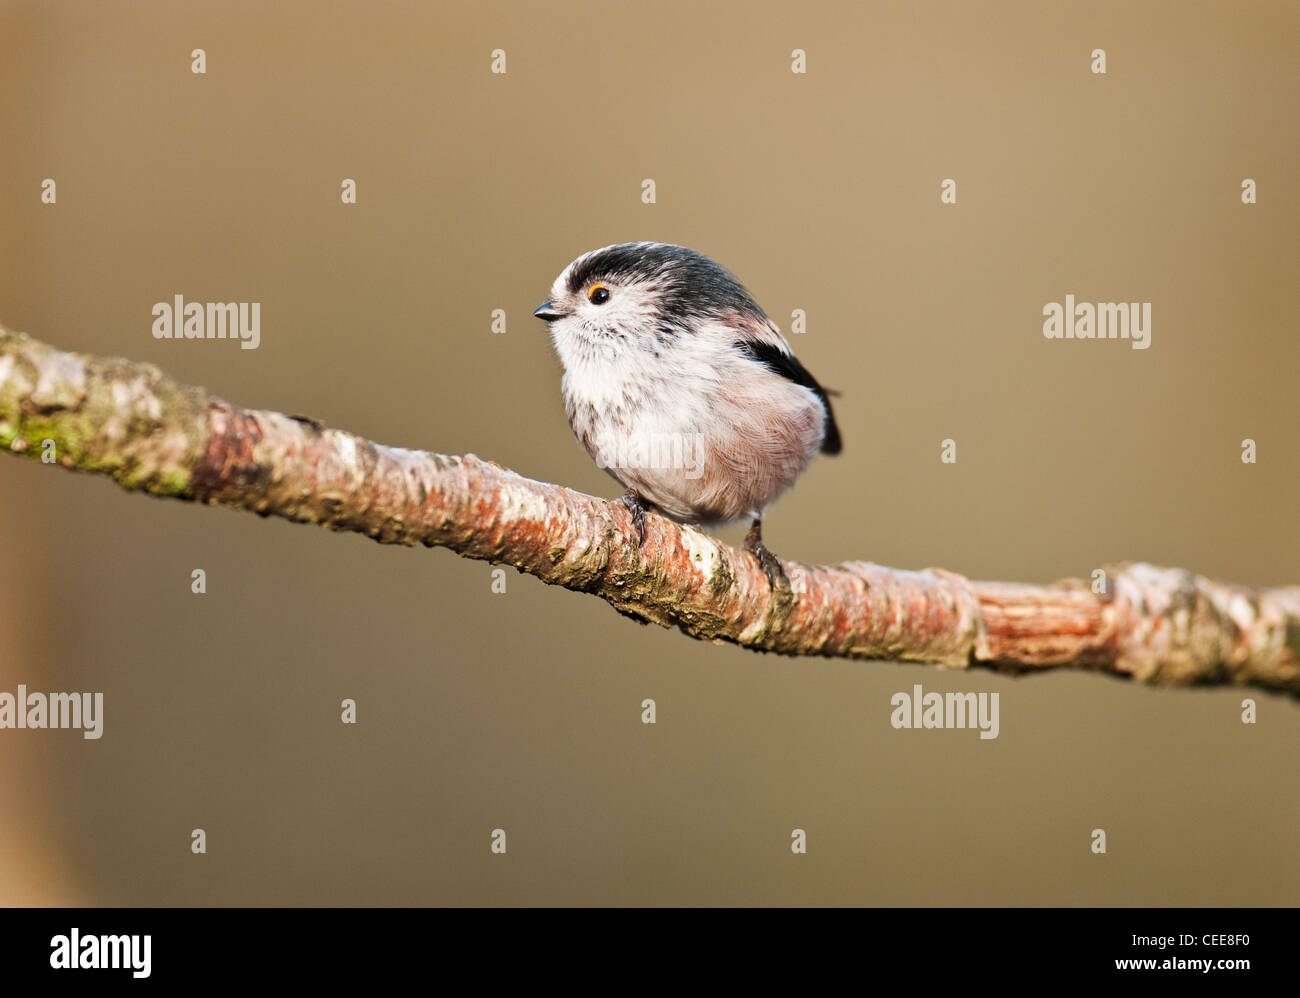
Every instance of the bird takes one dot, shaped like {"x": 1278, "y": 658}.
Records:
{"x": 680, "y": 387}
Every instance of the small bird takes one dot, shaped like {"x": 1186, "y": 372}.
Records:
{"x": 682, "y": 388}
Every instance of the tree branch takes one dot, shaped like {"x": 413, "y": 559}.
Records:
{"x": 131, "y": 422}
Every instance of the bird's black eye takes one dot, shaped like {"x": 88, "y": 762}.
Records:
{"x": 598, "y": 295}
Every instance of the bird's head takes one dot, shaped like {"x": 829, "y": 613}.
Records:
{"x": 642, "y": 292}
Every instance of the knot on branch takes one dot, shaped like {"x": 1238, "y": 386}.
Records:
{"x": 1177, "y": 627}
{"x": 229, "y": 460}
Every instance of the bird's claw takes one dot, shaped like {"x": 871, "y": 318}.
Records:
{"x": 777, "y": 580}
{"x": 632, "y": 501}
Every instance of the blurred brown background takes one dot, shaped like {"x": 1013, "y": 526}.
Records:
{"x": 521, "y": 710}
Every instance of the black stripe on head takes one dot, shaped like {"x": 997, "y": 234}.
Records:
{"x": 690, "y": 283}
{"x": 787, "y": 365}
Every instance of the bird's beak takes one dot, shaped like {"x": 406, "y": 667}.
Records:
{"x": 548, "y": 312}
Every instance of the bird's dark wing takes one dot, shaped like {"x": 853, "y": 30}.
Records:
{"x": 787, "y": 365}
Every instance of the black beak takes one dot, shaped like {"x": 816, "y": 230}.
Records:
{"x": 548, "y": 312}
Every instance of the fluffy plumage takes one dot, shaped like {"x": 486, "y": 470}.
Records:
{"x": 680, "y": 386}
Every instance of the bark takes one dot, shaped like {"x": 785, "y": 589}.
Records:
{"x": 131, "y": 422}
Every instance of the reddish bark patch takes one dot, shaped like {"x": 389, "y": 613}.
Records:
{"x": 229, "y": 461}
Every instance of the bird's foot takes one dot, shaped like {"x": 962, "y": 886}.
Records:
{"x": 776, "y": 577}
{"x": 632, "y": 500}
